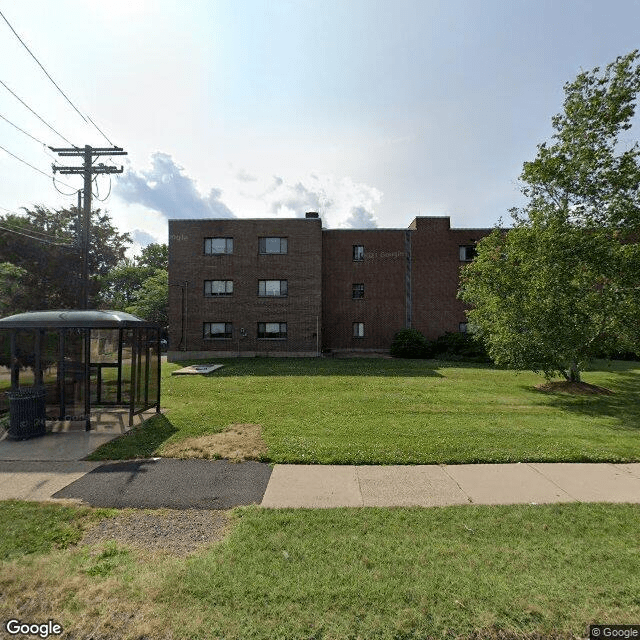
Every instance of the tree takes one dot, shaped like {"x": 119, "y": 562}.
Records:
{"x": 151, "y": 301}
{"x": 564, "y": 283}
{"x": 119, "y": 288}
{"x": 12, "y": 289}
{"x": 43, "y": 243}
{"x": 585, "y": 175}
{"x": 154, "y": 255}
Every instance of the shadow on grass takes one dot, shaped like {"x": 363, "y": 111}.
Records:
{"x": 623, "y": 404}
{"x": 309, "y": 367}
{"x": 141, "y": 442}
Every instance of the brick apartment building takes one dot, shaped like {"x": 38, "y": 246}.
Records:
{"x": 290, "y": 287}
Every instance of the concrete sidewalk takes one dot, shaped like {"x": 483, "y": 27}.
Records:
{"x": 318, "y": 486}
{"x": 440, "y": 485}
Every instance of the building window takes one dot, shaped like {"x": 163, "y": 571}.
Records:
{"x": 358, "y": 252}
{"x": 218, "y": 287}
{"x": 273, "y": 288}
{"x": 272, "y": 330}
{"x": 468, "y": 253}
{"x": 357, "y": 291}
{"x": 218, "y": 246}
{"x": 217, "y": 330}
{"x": 272, "y": 245}
{"x": 463, "y": 327}
{"x": 358, "y": 329}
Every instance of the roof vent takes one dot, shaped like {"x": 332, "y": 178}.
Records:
{"x": 311, "y": 214}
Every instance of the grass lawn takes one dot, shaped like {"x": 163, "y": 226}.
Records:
{"x": 455, "y": 572}
{"x": 377, "y": 411}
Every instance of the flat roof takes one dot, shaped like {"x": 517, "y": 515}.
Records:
{"x": 78, "y": 318}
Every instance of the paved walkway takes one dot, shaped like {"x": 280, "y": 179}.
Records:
{"x": 440, "y": 485}
{"x": 52, "y": 467}
{"x": 205, "y": 484}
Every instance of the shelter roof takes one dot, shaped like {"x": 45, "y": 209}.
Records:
{"x": 74, "y": 318}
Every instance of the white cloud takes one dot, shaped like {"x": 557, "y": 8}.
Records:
{"x": 166, "y": 188}
{"x": 340, "y": 201}
{"x": 360, "y": 218}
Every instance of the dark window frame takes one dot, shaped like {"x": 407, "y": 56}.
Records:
{"x": 281, "y": 335}
{"x": 228, "y": 331}
{"x": 357, "y": 291}
{"x": 228, "y": 246}
{"x": 279, "y": 295}
{"x": 467, "y": 252}
{"x": 262, "y": 246}
{"x": 356, "y": 333}
{"x": 358, "y": 253}
{"x": 226, "y": 293}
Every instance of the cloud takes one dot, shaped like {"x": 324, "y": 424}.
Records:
{"x": 142, "y": 237}
{"x": 245, "y": 176}
{"x": 360, "y": 218}
{"x": 167, "y": 189}
{"x": 340, "y": 201}
{"x": 298, "y": 199}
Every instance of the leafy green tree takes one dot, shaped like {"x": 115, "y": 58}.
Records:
{"x": 154, "y": 255}
{"x": 43, "y": 243}
{"x": 12, "y": 289}
{"x": 151, "y": 301}
{"x": 120, "y": 287}
{"x": 564, "y": 283}
{"x": 588, "y": 174}
{"x": 550, "y": 297}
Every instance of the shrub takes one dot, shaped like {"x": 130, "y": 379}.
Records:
{"x": 409, "y": 343}
{"x": 459, "y": 346}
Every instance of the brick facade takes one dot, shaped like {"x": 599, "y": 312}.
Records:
{"x": 398, "y": 278}
{"x": 244, "y": 309}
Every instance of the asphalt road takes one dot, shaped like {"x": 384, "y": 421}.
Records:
{"x": 173, "y": 484}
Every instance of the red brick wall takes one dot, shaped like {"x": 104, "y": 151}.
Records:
{"x": 383, "y": 274}
{"x": 320, "y": 270}
{"x": 301, "y": 309}
{"x": 435, "y": 274}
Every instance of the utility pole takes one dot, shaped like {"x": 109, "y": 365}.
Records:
{"x": 88, "y": 170}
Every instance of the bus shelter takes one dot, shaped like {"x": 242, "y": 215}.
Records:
{"x": 81, "y": 360}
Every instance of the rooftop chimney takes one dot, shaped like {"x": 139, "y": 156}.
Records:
{"x": 311, "y": 214}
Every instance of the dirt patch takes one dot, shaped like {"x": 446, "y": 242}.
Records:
{"x": 237, "y": 443}
{"x": 582, "y": 388}
{"x": 174, "y": 531}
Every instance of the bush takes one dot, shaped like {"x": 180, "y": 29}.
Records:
{"x": 459, "y": 346}
{"x": 409, "y": 343}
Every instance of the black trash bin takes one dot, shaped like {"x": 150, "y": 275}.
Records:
{"x": 26, "y": 413}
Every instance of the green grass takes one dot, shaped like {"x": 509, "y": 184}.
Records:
{"x": 415, "y": 573}
{"x": 32, "y": 528}
{"x": 375, "y": 411}
{"x": 456, "y": 572}
{"x": 140, "y": 442}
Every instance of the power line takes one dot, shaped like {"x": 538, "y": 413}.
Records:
{"x": 26, "y": 235}
{"x": 62, "y": 192}
{"x": 53, "y": 81}
{"x": 100, "y": 131}
{"x": 49, "y": 236}
{"x": 35, "y": 114}
{"x": 26, "y": 133}
{"x": 23, "y": 131}
{"x": 20, "y": 229}
{"x": 13, "y": 155}
{"x": 96, "y": 195}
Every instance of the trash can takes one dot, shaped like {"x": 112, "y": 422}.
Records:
{"x": 26, "y": 413}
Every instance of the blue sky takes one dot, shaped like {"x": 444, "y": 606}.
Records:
{"x": 371, "y": 112}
